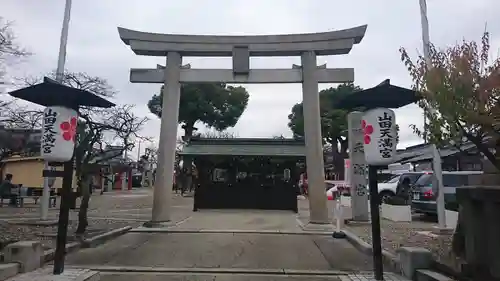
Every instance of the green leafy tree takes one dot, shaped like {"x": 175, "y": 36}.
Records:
{"x": 216, "y": 105}
{"x": 461, "y": 92}
{"x": 333, "y": 121}
{"x": 217, "y": 135}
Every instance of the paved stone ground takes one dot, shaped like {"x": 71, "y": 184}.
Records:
{"x": 228, "y": 250}
{"x": 157, "y": 254}
{"x": 240, "y": 220}
{"x": 153, "y": 256}
{"x": 186, "y": 250}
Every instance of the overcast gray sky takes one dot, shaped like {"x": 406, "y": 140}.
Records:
{"x": 94, "y": 46}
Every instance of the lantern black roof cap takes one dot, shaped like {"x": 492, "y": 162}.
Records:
{"x": 383, "y": 95}
{"x": 53, "y": 93}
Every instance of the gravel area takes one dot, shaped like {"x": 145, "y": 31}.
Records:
{"x": 10, "y": 233}
{"x": 414, "y": 234}
{"x": 421, "y": 232}
{"x": 101, "y": 206}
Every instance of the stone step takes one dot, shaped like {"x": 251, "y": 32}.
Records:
{"x": 429, "y": 275}
{"x": 45, "y": 274}
{"x": 210, "y": 277}
{"x": 133, "y": 273}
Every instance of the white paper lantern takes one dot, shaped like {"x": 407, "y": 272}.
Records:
{"x": 380, "y": 136}
{"x": 58, "y": 133}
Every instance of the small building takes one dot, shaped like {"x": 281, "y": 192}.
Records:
{"x": 28, "y": 172}
{"x": 239, "y": 173}
{"x": 112, "y": 169}
{"x": 464, "y": 158}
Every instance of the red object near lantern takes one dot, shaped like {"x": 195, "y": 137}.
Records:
{"x": 118, "y": 181}
{"x": 331, "y": 194}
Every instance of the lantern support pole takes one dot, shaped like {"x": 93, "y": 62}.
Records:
{"x": 62, "y": 225}
{"x": 337, "y": 214}
{"x": 375, "y": 218}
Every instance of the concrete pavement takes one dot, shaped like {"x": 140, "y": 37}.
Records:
{"x": 222, "y": 245}
{"x": 240, "y": 220}
{"x": 205, "y": 277}
{"x": 226, "y": 245}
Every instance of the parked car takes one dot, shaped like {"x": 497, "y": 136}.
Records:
{"x": 392, "y": 187}
{"x": 424, "y": 193}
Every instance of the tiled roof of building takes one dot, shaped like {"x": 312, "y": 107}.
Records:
{"x": 245, "y": 147}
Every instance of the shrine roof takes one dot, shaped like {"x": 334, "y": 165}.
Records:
{"x": 245, "y": 147}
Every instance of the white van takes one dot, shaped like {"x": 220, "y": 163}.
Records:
{"x": 390, "y": 188}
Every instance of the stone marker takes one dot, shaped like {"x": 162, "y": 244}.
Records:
{"x": 27, "y": 253}
{"x": 412, "y": 259}
{"x": 357, "y": 172}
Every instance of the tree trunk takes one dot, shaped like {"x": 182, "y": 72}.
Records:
{"x": 458, "y": 239}
{"x": 84, "y": 206}
{"x": 344, "y": 145}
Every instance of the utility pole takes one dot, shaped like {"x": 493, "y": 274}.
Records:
{"x": 61, "y": 61}
{"x": 139, "y": 151}
{"x": 125, "y": 174}
{"x": 426, "y": 42}
{"x": 436, "y": 163}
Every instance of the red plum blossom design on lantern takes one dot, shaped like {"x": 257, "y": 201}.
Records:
{"x": 68, "y": 129}
{"x": 367, "y": 130}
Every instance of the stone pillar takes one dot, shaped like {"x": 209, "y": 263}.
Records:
{"x": 124, "y": 177}
{"x": 168, "y": 136}
{"x": 144, "y": 174}
{"x": 358, "y": 169}
{"x": 150, "y": 176}
{"x": 111, "y": 184}
{"x": 314, "y": 147}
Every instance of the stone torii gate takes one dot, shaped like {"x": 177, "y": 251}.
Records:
{"x": 241, "y": 48}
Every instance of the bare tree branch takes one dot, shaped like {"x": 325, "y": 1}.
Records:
{"x": 8, "y": 44}
{"x": 78, "y": 80}
{"x": 19, "y": 128}
{"x": 10, "y": 51}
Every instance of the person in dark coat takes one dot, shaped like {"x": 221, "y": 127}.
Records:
{"x": 6, "y": 189}
{"x": 405, "y": 191}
